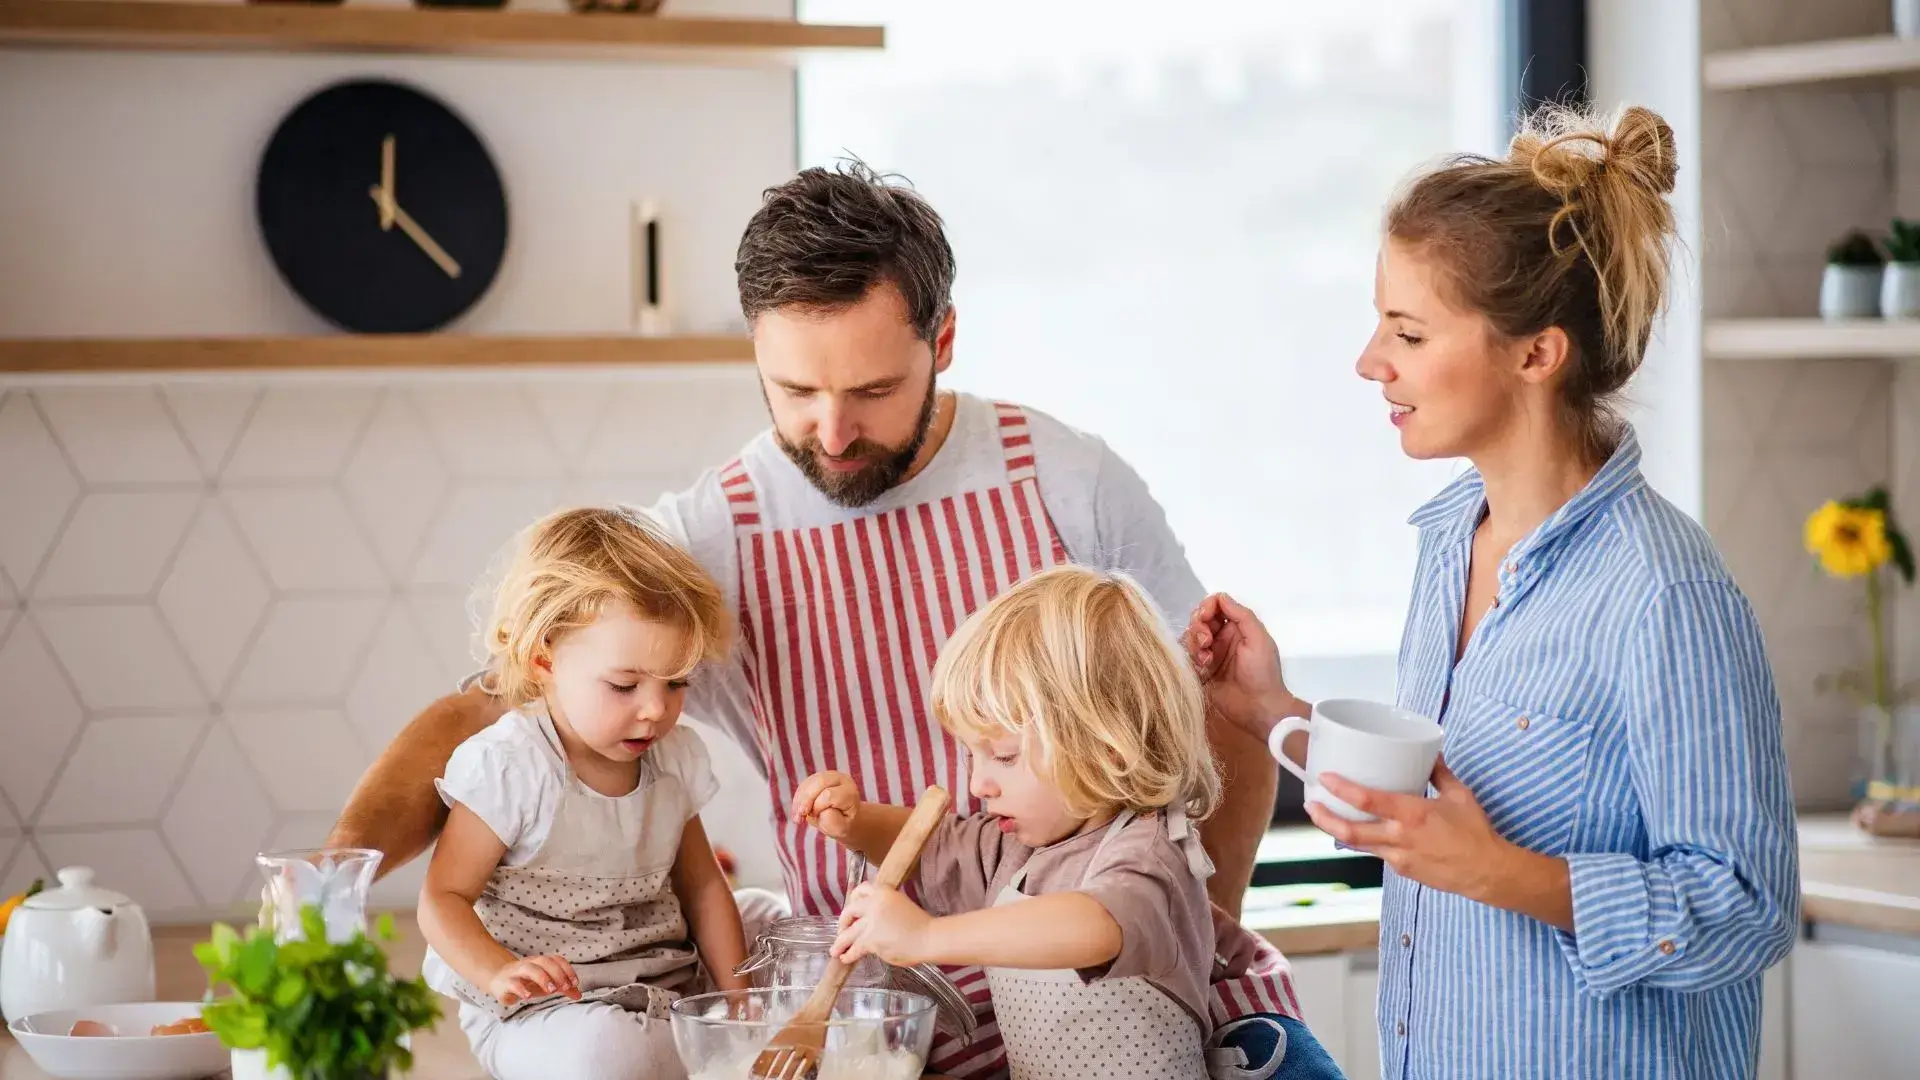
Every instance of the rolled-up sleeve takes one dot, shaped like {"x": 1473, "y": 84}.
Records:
{"x": 1717, "y": 899}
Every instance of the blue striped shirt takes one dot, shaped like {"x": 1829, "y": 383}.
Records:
{"x": 1614, "y": 707}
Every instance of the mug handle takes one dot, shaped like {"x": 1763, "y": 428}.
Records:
{"x": 1278, "y": 737}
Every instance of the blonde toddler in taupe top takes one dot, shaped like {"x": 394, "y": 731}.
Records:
{"x": 1081, "y": 888}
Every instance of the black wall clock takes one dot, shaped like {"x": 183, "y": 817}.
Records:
{"x": 381, "y": 208}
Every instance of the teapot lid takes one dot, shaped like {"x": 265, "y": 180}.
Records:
{"x": 76, "y": 891}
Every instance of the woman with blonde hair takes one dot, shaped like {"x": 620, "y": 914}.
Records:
{"x": 1608, "y": 863}
{"x": 1081, "y": 887}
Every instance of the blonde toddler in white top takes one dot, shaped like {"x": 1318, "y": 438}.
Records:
{"x": 573, "y": 895}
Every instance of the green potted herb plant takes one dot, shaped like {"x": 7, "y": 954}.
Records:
{"x": 312, "y": 1009}
{"x": 1850, "y": 288}
{"x": 1900, "y": 288}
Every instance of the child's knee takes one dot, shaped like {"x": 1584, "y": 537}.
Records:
{"x": 609, "y": 1043}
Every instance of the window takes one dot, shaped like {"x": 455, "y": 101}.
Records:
{"x": 1165, "y": 218}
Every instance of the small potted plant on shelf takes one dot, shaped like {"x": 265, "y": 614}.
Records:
{"x": 1900, "y": 287}
{"x": 312, "y": 1009}
{"x": 1850, "y": 288}
{"x": 1857, "y": 539}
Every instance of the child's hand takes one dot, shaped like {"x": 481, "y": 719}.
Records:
{"x": 532, "y": 977}
{"x": 882, "y": 922}
{"x": 828, "y": 801}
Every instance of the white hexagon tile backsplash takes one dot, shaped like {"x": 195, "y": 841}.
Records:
{"x": 220, "y": 598}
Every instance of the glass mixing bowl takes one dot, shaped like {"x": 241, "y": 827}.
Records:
{"x": 873, "y": 1034}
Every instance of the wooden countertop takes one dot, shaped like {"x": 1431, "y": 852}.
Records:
{"x": 1848, "y": 878}
{"x": 440, "y": 1054}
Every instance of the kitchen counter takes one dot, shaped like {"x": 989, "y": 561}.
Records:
{"x": 440, "y": 1054}
{"x": 1847, "y": 879}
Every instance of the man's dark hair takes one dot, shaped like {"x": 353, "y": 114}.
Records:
{"x": 823, "y": 239}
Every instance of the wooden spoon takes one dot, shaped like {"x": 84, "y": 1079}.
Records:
{"x": 794, "y": 1053}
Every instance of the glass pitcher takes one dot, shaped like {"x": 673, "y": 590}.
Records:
{"x": 337, "y": 879}
{"x": 794, "y": 952}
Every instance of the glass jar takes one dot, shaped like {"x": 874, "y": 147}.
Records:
{"x": 335, "y": 879}
{"x": 794, "y": 952}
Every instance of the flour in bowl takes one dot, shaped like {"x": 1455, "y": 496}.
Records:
{"x": 875, "y": 1065}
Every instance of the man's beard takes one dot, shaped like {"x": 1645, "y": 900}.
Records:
{"x": 886, "y": 466}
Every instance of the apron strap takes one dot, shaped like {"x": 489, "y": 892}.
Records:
{"x": 543, "y": 719}
{"x": 742, "y": 504}
{"x": 1016, "y": 441}
{"x": 1113, "y": 829}
{"x": 1184, "y": 833}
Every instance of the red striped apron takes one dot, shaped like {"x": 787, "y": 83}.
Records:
{"x": 839, "y": 627}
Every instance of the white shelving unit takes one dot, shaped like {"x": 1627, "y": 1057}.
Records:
{"x": 1843, "y": 59}
{"x": 1789, "y": 339}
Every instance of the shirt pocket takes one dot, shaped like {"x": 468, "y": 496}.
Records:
{"x": 1527, "y": 768}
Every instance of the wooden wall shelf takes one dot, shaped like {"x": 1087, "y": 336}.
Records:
{"x": 1812, "y": 62}
{"x": 1812, "y": 339}
{"x": 162, "y": 24}
{"x": 68, "y": 355}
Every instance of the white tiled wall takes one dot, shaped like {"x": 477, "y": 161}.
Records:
{"x": 219, "y": 599}
{"x": 1786, "y": 172}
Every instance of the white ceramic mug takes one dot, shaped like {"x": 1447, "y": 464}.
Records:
{"x": 1367, "y": 742}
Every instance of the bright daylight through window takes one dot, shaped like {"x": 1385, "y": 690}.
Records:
{"x": 1166, "y": 230}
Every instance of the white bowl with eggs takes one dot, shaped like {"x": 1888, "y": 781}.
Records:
{"x": 128, "y": 1051}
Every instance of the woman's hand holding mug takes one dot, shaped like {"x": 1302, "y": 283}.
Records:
{"x": 1445, "y": 842}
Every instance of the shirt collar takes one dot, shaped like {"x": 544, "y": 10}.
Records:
{"x": 1456, "y": 511}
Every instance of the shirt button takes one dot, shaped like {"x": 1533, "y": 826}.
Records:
{"x": 1523, "y": 723}
{"x": 1666, "y": 948}
{"x": 1510, "y": 569}
{"x": 1496, "y": 601}
{"x": 1400, "y": 1029}
{"x": 1406, "y": 941}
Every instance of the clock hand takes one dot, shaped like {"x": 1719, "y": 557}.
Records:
{"x": 386, "y": 184}
{"x": 419, "y": 235}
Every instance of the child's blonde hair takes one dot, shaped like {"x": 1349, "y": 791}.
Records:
{"x": 1079, "y": 663}
{"x": 563, "y": 571}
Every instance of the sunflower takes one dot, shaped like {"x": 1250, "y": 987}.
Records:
{"x": 1851, "y": 541}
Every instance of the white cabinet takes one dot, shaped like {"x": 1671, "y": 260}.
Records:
{"x": 1361, "y": 1060}
{"x": 1336, "y": 995}
{"x": 1852, "y": 1011}
{"x": 1773, "y": 1022}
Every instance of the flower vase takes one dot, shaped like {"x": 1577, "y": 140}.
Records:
{"x": 1890, "y": 788}
{"x": 1906, "y": 18}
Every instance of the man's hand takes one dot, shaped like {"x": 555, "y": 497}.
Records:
{"x": 829, "y": 801}
{"x": 882, "y": 922}
{"x": 534, "y": 976}
{"x": 1239, "y": 665}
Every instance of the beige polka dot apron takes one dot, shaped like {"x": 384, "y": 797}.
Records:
{"x": 587, "y": 897}
{"x": 1058, "y": 1027}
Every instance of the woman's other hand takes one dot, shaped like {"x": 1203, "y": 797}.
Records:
{"x": 1239, "y": 665}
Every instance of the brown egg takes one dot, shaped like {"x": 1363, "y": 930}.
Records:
{"x": 84, "y": 1028}
{"x": 192, "y": 1025}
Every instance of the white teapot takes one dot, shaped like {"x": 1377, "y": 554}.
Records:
{"x": 75, "y": 946}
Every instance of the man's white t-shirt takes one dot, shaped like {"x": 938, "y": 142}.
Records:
{"x": 1101, "y": 508}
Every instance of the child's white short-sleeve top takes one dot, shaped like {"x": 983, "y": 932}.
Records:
{"x": 512, "y": 775}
